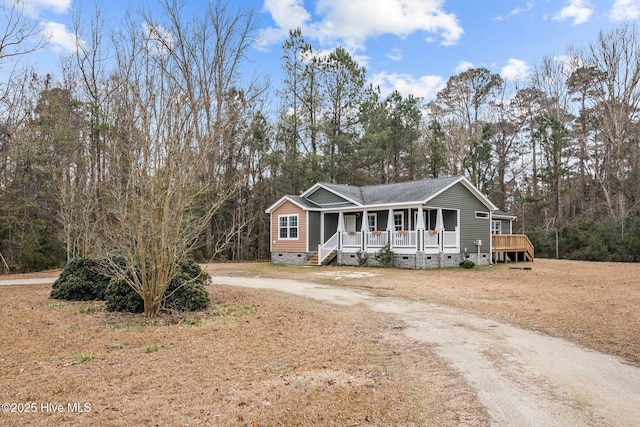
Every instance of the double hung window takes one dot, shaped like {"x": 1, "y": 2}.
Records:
{"x": 288, "y": 227}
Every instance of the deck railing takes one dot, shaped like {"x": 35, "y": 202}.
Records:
{"x": 512, "y": 243}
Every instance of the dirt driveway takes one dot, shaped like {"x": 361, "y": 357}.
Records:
{"x": 467, "y": 317}
{"x": 524, "y": 378}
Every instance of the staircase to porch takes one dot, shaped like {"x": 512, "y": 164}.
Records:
{"x": 314, "y": 258}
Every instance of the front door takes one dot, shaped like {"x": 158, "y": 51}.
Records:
{"x": 350, "y": 222}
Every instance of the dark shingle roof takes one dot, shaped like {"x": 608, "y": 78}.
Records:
{"x": 303, "y": 202}
{"x": 400, "y": 192}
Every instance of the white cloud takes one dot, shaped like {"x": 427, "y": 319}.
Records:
{"x": 578, "y": 10}
{"x": 463, "y": 66}
{"x": 34, "y": 7}
{"x": 517, "y": 11}
{"x": 59, "y": 39}
{"x": 351, "y": 23}
{"x": 288, "y": 15}
{"x": 623, "y": 10}
{"x": 516, "y": 69}
{"x": 159, "y": 40}
{"x": 395, "y": 54}
{"x": 425, "y": 87}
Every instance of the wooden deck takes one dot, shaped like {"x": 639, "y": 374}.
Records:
{"x": 512, "y": 247}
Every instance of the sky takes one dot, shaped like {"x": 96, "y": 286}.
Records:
{"x": 413, "y": 46}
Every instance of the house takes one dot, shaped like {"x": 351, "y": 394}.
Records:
{"x": 427, "y": 224}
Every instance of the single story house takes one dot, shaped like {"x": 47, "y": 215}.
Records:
{"x": 427, "y": 224}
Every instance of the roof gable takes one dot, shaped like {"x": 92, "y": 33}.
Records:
{"x": 348, "y": 193}
{"x": 324, "y": 195}
{"x": 301, "y": 202}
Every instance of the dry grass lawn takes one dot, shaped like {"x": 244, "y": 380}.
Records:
{"x": 261, "y": 358}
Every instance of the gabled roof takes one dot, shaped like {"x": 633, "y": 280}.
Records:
{"x": 301, "y": 202}
{"x": 398, "y": 193}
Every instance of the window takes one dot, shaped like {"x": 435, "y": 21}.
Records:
{"x": 372, "y": 221}
{"x": 288, "y": 226}
{"x": 398, "y": 221}
{"x": 483, "y": 215}
{"x": 496, "y": 227}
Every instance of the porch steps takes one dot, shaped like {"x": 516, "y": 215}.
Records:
{"x": 314, "y": 258}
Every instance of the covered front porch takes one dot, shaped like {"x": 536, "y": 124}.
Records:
{"x": 408, "y": 230}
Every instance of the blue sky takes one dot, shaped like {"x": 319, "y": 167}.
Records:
{"x": 413, "y": 46}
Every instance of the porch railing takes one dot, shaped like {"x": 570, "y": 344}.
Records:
{"x": 329, "y": 246}
{"x": 450, "y": 238}
{"x": 352, "y": 239}
{"x": 404, "y": 239}
{"x": 377, "y": 238}
{"x": 431, "y": 239}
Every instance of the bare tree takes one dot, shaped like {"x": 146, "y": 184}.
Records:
{"x": 159, "y": 203}
{"x": 19, "y": 34}
{"x": 613, "y": 91}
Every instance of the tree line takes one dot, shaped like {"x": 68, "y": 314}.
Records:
{"x": 153, "y": 141}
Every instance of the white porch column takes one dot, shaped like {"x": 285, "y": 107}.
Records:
{"x": 341, "y": 228}
{"x": 364, "y": 230}
{"x": 420, "y": 230}
{"x": 390, "y": 228}
{"x": 440, "y": 229}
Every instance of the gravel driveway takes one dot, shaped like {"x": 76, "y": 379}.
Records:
{"x": 524, "y": 378}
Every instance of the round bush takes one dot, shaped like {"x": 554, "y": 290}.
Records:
{"x": 81, "y": 280}
{"x": 186, "y": 292}
{"x": 467, "y": 263}
{"x": 121, "y": 297}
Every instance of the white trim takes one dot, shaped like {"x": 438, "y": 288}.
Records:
{"x": 319, "y": 185}
{"x": 281, "y": 201}
{"x": 373, "y": 215}
{"x": 395, "y": 225}
{"x": 289, "y": 227}
{"x": 469, "y": 186}
{"x": 481, "y": 215}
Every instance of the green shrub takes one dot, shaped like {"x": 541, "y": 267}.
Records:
{"x": 186, "y": 292}
{"x": 385, "y": 256}
{"x": 119, "y": 296}
{"x": 362, "y": 257}
{"x": 467, "y": 263}
{"x": 81, "y": 280}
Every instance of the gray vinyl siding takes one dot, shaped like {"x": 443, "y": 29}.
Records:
{"x": 471, "y": 228}
{"x": 314, "y": 231}
{"x": 324, "y": 197}
{"x": 330, "y": 225}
